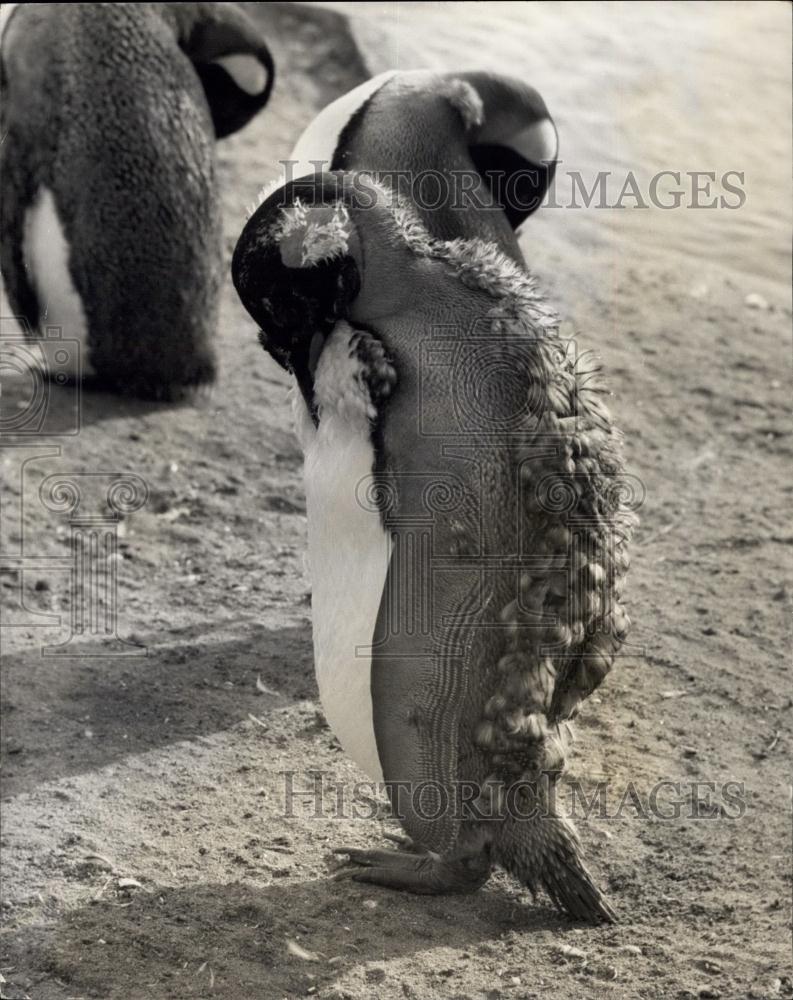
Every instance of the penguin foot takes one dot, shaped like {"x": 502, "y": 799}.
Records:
{"x": 414, "y": 869}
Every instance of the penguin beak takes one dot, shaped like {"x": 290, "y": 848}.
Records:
{"x": 314, "y": 351}
{"x": 301, "y": 363}
{"x": 305, "y": 378}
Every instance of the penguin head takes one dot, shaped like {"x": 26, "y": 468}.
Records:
{"x": 475, "y": 152}
{"x": 321, "y": 249}
{"x": 230, "y": 57}
{"x": 510, "y": 137}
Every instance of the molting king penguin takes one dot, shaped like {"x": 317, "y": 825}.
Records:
{"x": 468, "y": 515}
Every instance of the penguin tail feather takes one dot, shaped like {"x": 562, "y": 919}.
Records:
{"x": 544, "y": 851}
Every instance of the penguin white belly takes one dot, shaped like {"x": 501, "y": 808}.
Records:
{"x": 6, "y": 10}
{"x": 46, "y": 254}
{"x": 349, "y": 550}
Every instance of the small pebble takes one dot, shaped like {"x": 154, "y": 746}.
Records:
{"x": 568, "y": 951}
{"x": 630, "y": 949}
{"x": 755, "y": 301}
{"x": 129, "y": 883}
{"x": 369, "y": 904}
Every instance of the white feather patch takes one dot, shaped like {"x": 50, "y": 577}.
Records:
{"x": 309, "y": 235}
{"x": 320, "y": 139}
{"x": 464, "y": 98}
{"x": 46, "y": 253}
{"x": 538, "y": 143}
{"x": 349, "y": 551}
{"x": 245, "y": 70}
{"x": 263, "y": 194}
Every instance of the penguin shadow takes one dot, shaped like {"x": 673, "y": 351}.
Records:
{"x": 62, "y": 406}
{"x": 101, "y": 402}
{"x": 186, "y": 683}
{"x": 275, "y": 940}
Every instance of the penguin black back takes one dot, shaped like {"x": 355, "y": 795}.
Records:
{"x": 110, "y": 203}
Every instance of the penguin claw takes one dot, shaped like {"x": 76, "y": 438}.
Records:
{"x": 392, "y": 869}
{"x": 367, "y": 859}
{"x": 405, "y": 843}
{"x": 417, "y": 870}
{"x": 354, "y": 855}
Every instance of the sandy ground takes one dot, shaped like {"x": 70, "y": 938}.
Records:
{"x": 171, "y": 769}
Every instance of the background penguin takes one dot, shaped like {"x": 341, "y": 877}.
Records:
{"x": 110, "y": 209}
{"x": 466, "y": 575}
{"x": 448, "y": 143}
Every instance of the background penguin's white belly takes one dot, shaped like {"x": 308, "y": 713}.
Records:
{"x": 349, "y": 552}
{"x": 46, "y": 253}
